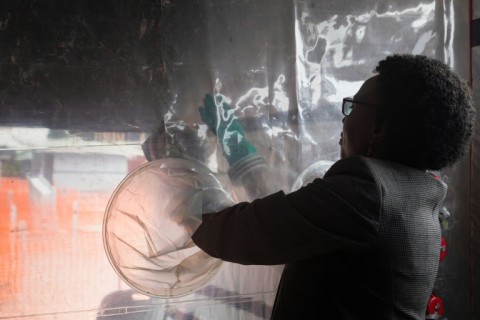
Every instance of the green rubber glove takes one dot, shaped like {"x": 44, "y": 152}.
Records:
{"x": 220, "y": 118}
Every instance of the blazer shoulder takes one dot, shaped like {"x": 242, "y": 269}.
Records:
{"x": 353, "y": 166}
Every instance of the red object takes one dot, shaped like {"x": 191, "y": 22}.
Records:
{"x": 443, "y": 248}
{"x": 434, "y": 307}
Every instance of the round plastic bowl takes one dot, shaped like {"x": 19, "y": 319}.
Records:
{"x": 312, "y": 172}
{"x": 148, "y": 225}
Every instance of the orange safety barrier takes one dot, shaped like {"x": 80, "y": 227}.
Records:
{"x": 32, "y": 231}
{"x": 14, "y": 217}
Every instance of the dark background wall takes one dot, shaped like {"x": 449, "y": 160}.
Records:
{"x": 89, "y": 65}
{"x": 475, "y": 178}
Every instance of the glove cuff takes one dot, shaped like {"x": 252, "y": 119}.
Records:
{"x": 244, "y": 166}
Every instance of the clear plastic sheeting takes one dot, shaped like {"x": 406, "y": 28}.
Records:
{"x": 110, "y": 72}
{"x": 284, "y": 67}
{"x": 314, "y": 171}
{"x": 149, "y": 221}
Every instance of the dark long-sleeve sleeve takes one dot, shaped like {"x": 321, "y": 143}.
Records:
{"x": 341, "y": 211}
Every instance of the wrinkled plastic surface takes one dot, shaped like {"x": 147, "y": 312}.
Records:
{"x": 149, "y": 221}
{"x": 220, "y": 119}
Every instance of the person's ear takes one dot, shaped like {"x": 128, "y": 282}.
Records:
{"x": 378, "y": 134}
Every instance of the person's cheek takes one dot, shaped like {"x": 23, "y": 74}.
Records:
{"x": 346, "y": 139}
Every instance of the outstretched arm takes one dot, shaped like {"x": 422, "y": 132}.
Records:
{"x": 247, "y": 167}
{"x": 220, "y": 118}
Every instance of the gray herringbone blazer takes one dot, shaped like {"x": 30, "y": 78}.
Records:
{"x": 361, "y": 243}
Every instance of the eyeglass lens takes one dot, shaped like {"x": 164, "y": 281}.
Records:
{"x": 347, "y": 107}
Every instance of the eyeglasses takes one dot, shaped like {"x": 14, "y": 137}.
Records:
{"x": 348, "y": 103}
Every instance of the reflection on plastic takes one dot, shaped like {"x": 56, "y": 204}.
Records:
{"x": 149, "y": 221}
{"x": 312, "y": 172}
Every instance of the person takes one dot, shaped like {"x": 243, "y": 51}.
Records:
{"x": 247, "y": 168}
{"x": 363, "y": 242}
{"x": 177, "y": 139}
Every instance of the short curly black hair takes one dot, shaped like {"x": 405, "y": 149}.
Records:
{"x": 428, "y": 112}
